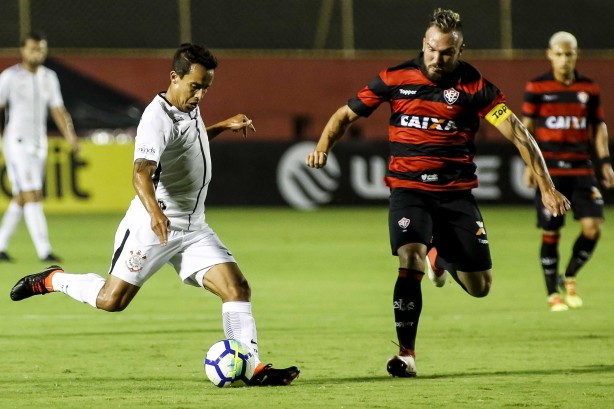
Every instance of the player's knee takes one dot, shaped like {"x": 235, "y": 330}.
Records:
{"x": 111, "y": 302}
{"x": 110, "y": 305}
{"x": 412, "y": 256}
{"x": 480, "y": 286}
{"x": 481, "y": 291}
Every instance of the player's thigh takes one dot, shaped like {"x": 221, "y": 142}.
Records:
{"x": 409, "y": 218}
{"x": 138, "y": 254}
{"x": 459, "y": 234}
{"x": 201, "y": 251}
{"x": 25, "y": 171}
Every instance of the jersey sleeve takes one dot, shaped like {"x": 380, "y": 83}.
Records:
{"x": 4, "y": 88}
{"x": 371, "y": 97}
{"x": 55, "y": 97}
{"x": 596, "y": 113}
{"x": 487, "y": 98}
{"x": 531, "y": 100}
{"x": 152, "y": 136}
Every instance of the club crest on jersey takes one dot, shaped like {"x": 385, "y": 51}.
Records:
{"x": 583, "y": 97}
{"x": 404, "y": 222}
{"x": 451, "y": 95}
{"x": 136, "y": 261}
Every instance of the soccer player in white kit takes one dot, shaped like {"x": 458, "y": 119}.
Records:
{"x": 165, "y": 222}
{"x": 29, "y": 90}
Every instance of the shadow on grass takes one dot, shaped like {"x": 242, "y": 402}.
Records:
{"x": 588, "y": 369}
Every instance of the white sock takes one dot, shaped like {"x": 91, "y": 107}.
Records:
{"x": 37, "y": 226}
{"x": 81, "y": 287}
{"x": 10, "y": 220}
{"x": 240, "y": 324}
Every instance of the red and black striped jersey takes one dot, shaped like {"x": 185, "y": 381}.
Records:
{"x": 562, "y": 116}
{"x": 432, "y": 126}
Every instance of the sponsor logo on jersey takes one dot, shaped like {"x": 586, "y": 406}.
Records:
{"x": 549, "y": 97}
{"x": 426, "y": 122}
{"x": 565, "y": 122}
{"x": 408, "y": 91}
{"x": 451, "y": 95}
{"x": 583, "y": 97}
{"x": 404, "y": 222}
{"x": 429, "y": 178}
{"x": 136, "y": 261}
{"x": 481, "y": 230}
{"x": 146, "y": 150}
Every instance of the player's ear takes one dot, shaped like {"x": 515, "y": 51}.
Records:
{"x": 174, "y": 77}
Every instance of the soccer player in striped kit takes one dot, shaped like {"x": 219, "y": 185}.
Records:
{"x": 165, "y": 222}
{"x": 436, "y": 101}
{"x": 562, "y": 109}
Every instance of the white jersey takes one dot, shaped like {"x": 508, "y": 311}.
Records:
{"x": 177, "y": 141}
{"x": 28, "y": 96}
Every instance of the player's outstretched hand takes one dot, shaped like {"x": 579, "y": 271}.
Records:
{"x": 316, "y": 159}
{"x": 240, "y": 122}
{"x": 555, "y": 202}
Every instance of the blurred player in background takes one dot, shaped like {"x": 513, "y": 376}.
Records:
{"x": 27, "y": 91}
{"x": 436, "y": 102}
{"x": 165, "y": 222}
{"x": 562, "y": 109}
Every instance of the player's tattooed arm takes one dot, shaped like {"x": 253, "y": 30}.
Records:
{"x": 524, "y": 141}
{"x": 513, "y": 129}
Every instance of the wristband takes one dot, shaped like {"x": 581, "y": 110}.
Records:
{"x": 604, "y": 161}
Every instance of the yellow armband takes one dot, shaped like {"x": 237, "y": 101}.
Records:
{"x": 498, "y": 114}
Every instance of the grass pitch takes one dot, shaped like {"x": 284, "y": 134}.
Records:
{"x": 322, "y": 294}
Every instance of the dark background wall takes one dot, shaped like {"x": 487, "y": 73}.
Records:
{"x": 295, "y": 24}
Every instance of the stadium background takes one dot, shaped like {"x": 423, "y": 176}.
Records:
{"x": 288, "y": 65}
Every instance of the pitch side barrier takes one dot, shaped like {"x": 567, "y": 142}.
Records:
{"x": 99, "y": 177}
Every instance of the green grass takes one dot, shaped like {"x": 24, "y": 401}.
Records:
{"x": 322, "y": 294}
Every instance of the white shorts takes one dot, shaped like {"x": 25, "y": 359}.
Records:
{"x": 138, "y": 254}
{"x": 26, "y": 171}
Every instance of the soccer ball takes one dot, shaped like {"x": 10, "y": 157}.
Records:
{"x": 229, "y": 361}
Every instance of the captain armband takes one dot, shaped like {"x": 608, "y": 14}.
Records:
{"x": 498, "y": 114}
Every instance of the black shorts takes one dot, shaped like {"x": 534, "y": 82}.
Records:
{"x": 582, "y": 192}
{"x": 451, "y": 219}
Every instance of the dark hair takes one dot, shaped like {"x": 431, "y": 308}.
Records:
{"x": 188, "y": 54}
{"x": 446, "y": 21}
{"x": 32, "y": 35}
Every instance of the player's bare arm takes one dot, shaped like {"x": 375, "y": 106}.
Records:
{"x": 333, "y": 131}
{"x": 143, "y": 170}
{"x": 239, "y": 122}
{"x": 528, "y": 177}
{"x": 513, "y": 129}
{"x": 603, "y": 154}
{"x": 63, "y": 121}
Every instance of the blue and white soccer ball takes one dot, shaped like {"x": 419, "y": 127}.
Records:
{"x": 229, "y": 361}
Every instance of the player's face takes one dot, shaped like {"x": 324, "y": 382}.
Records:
{"x": 186, "y": 92}
{"x": 563, "y": 57}
{"x": 441, "y": 52}
{"x": 34, "y": 53}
